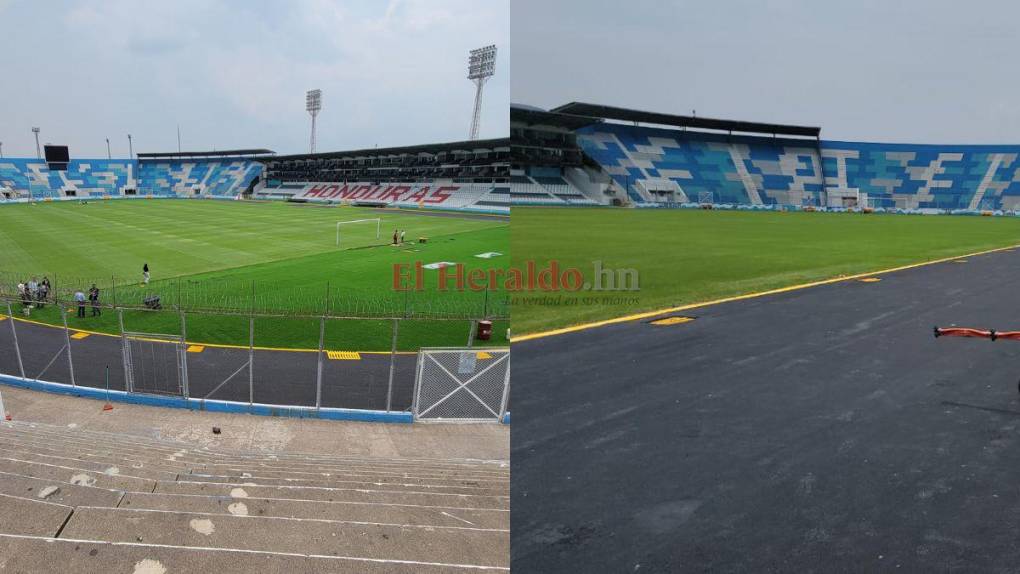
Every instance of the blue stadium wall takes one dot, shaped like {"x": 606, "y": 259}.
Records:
{"x": 90, "y": 177}
{"x": 747, "y": 170}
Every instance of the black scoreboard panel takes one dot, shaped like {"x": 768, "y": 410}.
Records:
{"x": 57, "y": 156}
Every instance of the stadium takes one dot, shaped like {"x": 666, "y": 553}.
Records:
{"x": 770, "y": 397}
{"x": 235, "y": 359}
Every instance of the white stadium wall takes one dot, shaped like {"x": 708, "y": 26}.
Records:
{"x": 476, "y": 197}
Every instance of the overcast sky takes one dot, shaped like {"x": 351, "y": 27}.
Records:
{"x": 928, "y": 71}
{"x": 233, "y": 74}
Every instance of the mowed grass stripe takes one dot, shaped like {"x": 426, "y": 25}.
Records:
{"x": 186, "y": 237}
{"x": 691, "y": 256}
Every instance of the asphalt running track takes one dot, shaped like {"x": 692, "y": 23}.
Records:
{"x": 817, "y": 430}
{"x": 280, "y": 377}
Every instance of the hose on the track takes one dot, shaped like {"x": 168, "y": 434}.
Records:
{"x": 978, "y": 333}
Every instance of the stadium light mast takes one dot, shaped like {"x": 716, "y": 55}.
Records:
{"x": 131, "y": 150}
{"x": 481, "y": 67}
{"x": 38, "y": 150}
{"x": 313, "y": 104}
{"x": 108, "y": 155}
{"x": 1, "y": 150}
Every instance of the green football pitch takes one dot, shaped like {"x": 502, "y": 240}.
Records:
{"x": 689, "y": 256}
{"x": 223, "y": 260}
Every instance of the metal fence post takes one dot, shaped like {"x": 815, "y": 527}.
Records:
{"x": 471, "y": 333}
{"x": 251, "y": 357}
{"x": 184, "y": 356}
{"x": 393, "y": 365}
{"x": 318, "y": 372}
{"x": 125, "y": 352}
{"x": 506, "y": 391}
{"x": 14, "y": 333}
{"x": 67, "y": 341}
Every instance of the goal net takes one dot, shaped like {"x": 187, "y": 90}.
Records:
{"x": 360, "y": 222}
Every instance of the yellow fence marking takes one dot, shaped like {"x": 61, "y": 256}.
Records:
{"x": 482, "y": 355}
{"x": 672, "y": 321}
{"x": 196, "y": 348}
{"x": 79, "y": 335}
{"x": 344, "y": 355}
{"x": 870, "y": 280}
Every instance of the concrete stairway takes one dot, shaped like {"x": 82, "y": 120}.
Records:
{"x": 100, "y": 502}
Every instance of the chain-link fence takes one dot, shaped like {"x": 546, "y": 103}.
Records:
{"x": 223, "y": 295}
{"x": 317, "y": 361}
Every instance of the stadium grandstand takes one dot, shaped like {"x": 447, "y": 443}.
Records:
{"x": 214, "y": 174}
{"x": 463, "y": 176}
{"x": 466, "y": 175}
{"x": 608, "y": 155}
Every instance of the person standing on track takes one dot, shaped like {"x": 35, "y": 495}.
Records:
{"x": 402, "y": 232}
{"x": 94, "y": 300}
{"x": 145, "y": 274}
{"x": 394, "y": 236}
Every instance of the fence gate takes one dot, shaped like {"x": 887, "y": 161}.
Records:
{"x": 471, "y": 385}
{"x": 154, "y": 363}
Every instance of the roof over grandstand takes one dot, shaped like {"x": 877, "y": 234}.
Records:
{"x": 466, "y": 145}
{"x": 629, "y": 115}
{"x": 224, "y": 153}
{"x": 530, "y": 115}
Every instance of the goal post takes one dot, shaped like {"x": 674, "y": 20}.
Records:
{"x": 378, "y": 226}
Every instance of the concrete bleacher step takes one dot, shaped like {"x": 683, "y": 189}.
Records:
{"x": 109, "y": 467}
{"x": 165, "y": 470}
{"x": 400, "y": 478}
{"x": 57, "y": 492}
{"x": 303, "y": 536}
{"x": 84, "y": 445}
{"x": 344, "y": 511}
{"x": 168, "y": 447}
{"x": 39, "y": 554}
{"x": 75, "y": 475}
{"x": 136, "y": 467}
{"x": 330, "y": 481}
{"x": 246, "y": 490}
{"x": 31, "y": 517}
{"x": 25, "y": 450}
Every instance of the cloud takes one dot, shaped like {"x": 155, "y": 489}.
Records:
{"x": 234, "y": 73}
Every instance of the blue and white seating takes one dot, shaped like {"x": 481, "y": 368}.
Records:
{"x": 766, "y": 171}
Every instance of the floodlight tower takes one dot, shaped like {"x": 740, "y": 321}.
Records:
{"x": 313, "y": 103}
{"x": 38, "y": 151}
{"x": 481, "y": 67}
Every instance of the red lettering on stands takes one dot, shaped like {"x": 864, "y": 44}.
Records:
{"x": 419, "y": 194}
{"x": 394, "y": 192}
{"x": 441, "y": 194}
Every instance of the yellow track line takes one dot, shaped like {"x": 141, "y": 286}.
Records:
{"x": 650, "y": 314}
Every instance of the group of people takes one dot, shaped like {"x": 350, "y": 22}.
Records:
{"x": 34, "y": 292}
{"x": 398, "y": 237}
